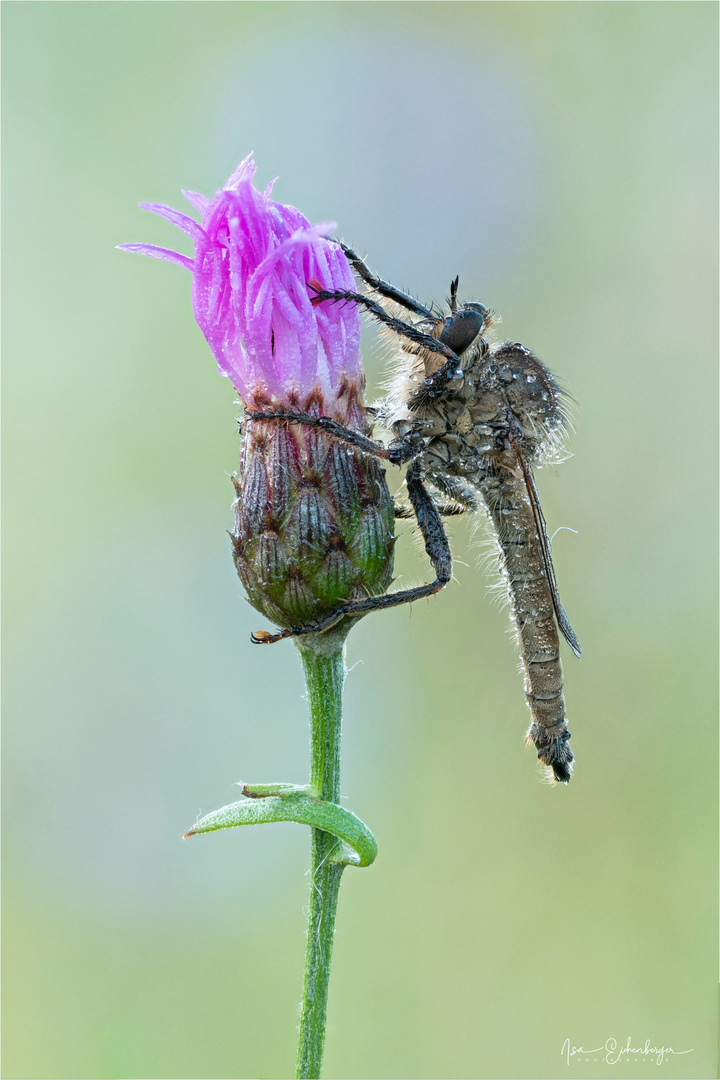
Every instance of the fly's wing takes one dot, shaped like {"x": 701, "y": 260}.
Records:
{"x": 562, "y": 619}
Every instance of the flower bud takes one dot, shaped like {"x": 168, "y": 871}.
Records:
{"x": 313, "y": 524}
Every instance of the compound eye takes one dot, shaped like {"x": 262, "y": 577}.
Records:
{"x": 461, "y": 329}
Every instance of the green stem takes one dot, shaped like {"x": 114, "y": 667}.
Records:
{"x": 339, "y": 837}
{"x": 324, "y": 675}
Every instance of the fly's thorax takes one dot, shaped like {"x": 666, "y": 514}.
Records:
{"x": 413, "y": 366}
{"x": 445, "y": 421}
{"x": 513, "y": 387}
{"x": 459, "y": 452}
{"x": 502, "y": 389}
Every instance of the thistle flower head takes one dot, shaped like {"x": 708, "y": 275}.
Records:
{"x": 253, "y": 261}
{"x": 313, "y": 519}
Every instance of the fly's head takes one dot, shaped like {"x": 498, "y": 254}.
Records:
{"x": 463, "y": 331}
{"x": 465, "y": 327}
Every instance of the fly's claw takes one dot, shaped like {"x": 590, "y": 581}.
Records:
{"x": 262, "y": 637}
{"x": 322, "y": 294}
{"x": 316, "y": 285}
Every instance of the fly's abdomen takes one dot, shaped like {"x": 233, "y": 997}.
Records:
{"x": 533, "y": 614}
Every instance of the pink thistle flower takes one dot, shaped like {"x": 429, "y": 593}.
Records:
{"x": 313, "y": 519}
{"x": 254, "y": 259}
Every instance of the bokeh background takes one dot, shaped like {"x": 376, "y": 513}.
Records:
{"x": 561, "y": 157}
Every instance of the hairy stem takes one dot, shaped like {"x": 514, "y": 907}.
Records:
{"x": 324, "y": 676}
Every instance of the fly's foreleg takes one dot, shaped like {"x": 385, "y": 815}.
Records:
{"x": 418, "y": 337}
{"x": 384, "y": 288}
{"x": 434, "y": 385}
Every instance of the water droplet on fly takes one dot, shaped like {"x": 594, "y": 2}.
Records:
{"x": 515, "y": 375}
{"x": 428, "y": 381}
{"x": 531, "y": 378}
{"x": 545, "y": 397}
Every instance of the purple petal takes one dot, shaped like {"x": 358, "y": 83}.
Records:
{"x": 197, "y": 201}
{"x": 253, "y": 260}
{"x": 245, "y": 171}
{"x": 187, "y": 224}
{"x": 159, "y": 253}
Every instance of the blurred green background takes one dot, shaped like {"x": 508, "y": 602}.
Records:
{"x": 561, "y": 157}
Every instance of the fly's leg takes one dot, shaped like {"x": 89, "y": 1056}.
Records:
{"x": 446, "y": 509}
{"x": 385, "y": 289}
{"x": 397, "y": 453}
{"x": 441, "y": 378}
{"x": 427, "y": 341}
{"x": 435, "y": 384}
{"x": 457, "y": 490}
{"x": 459, "y": 496}
{"x": 436, "y": 545}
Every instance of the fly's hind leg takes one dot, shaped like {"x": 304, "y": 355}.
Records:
{"x": 436, "y": 545}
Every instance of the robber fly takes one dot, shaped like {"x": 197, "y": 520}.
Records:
{"x": 470, "y": 420}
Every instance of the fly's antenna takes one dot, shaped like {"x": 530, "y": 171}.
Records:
{"x": 453, "y": 295}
